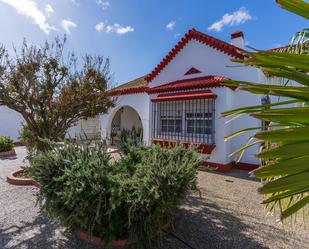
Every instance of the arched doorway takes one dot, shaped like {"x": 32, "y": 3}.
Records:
{"x": 126, "y": 118}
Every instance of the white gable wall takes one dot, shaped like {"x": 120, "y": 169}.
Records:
{"x": 206, "y": 59}
{"x": 213, "y": 62}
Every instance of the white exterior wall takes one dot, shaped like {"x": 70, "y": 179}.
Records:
{"x": 212, "y": 62}
{"x": 140, "y": 103}
{"x": 10, "y": 123}
{"x": 129, "y": 119}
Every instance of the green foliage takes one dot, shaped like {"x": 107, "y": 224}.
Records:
{"x": 132, "y": 198}
{"x": 286, "y": 153}
{"x": 28, "y": 138}
{"x": 128, "y": 138}
{"x": 51, "y": 90}
{"x": 6, "y": 144}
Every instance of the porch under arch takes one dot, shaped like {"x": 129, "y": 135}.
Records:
{"x": 124, "y": 118}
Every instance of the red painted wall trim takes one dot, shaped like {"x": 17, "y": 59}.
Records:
{"x": 232, "y": 165}
{"x": 223, "y": 168}
{"x": 201, "y": 148}
{"x": 245, "y": 166}
{"x": 207, "y": 149}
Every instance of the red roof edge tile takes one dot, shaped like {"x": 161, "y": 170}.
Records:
{"x": 220, "y": 45}
{"x": 204, "y": 94}
{"x": 190, "y": 84}
{"x": 128, "y": 91}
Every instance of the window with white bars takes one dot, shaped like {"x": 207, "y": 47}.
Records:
{"x": 185, "y": 121}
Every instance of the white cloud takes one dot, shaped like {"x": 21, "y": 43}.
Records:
{"x": 171, "y": 25}
{"x": 238, "y": 17}
{"x": 75, "y": 2}
{"x": 176, "y": 35}
{"x": 67, "y": 25}
{"x": 103, "y": 4}
{"x": 118, "y": 29}
{"x": 30, "y": 9}
{"x": 100, "y": 26}
{"x": 278, "y": 45}
{"x": 49, "y": 9}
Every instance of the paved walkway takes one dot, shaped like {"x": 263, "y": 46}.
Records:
{"x": 228, "y": 215}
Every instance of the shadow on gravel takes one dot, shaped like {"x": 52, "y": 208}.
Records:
{"x": 237, "y": 173}
{"x": 201, "y": 224}
{"x": 204, "y": 225}
{"x": 39, "y": 234}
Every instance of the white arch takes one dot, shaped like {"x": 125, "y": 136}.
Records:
{"x": 140, "y": 103}
{"x": 126, "y": 108}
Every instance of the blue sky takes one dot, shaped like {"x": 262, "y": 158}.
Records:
{"x": 137, "y": 34}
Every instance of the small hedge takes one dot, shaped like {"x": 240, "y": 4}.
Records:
{"x": 132, "y": 199}
{"x": 6, "y": 144}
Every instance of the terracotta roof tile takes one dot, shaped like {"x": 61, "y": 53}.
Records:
{"x": 134, "y": 86}
{"x": 189, "y": 84}
{"x": 205, "y": 94}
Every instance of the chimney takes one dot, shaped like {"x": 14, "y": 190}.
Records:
{"x": 237, "y": 39}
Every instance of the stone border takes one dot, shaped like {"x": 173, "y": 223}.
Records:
{"x": 10, "y": 153}
{"x": 99, "y": 242}
{"x": 12, "y": 179}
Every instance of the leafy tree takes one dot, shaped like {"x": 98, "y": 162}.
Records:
{"x": 51, "y": 90}
{"x": 286, "y": 154}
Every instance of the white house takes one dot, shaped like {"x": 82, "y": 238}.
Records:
{"x": 182, "y": 99}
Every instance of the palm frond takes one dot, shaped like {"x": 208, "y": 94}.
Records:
{"x": 285, "y": 157}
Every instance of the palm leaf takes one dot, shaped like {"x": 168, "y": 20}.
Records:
{"x": 286, "y": 153}
{"x": 298, "y": 7}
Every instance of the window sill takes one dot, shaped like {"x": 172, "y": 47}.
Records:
{"x": 201, "y": 148}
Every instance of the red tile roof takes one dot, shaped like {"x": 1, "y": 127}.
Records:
{"x": 237, "y": 34}
{"x": 189, "y": 84}
{"x": 201, "y": 37}
{"x": 286, "y": 48}
{"x": 205, "y": 94}
{"x": 138, "y": 85}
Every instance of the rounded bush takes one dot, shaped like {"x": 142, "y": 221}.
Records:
{"x": 6, "y": 144}
{"x": 133, "y": 198}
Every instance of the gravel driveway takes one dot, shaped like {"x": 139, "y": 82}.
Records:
{"x": 228, "y": 215}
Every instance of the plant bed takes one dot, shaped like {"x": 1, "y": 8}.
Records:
{"x": 6, "y": 147}
{"x": 115, "y": 243}
{"x": 10, "y": 153}
{"x": 21, "y": 177}
{"x": 114, "y": 202}
{"x": 100, "y": 242}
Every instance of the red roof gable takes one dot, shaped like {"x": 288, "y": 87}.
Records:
{"x": 189, "y": 84}
{"x": 201, "y": 37}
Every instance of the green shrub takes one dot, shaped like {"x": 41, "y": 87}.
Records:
{"x": 6, "y": 144}
{"x": 132, "y": 198}
{"x": 129, "y": 138}
{"x": 27, "y": 138}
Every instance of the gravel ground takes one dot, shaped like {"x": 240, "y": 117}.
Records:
{"x": 227, "y": 215}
